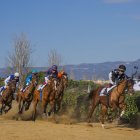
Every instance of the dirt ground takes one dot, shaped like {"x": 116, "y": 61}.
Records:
{"x": 63, "y": 129}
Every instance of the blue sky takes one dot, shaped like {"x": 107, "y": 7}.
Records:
{"x": 82, "y": 31}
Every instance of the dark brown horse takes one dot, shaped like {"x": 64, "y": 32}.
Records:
{"x": 7, "y": 97}
{"x": 116, "y": 99}
{"x": 63, "y": 82}
{"x": 48, "y": 96}
{"x": 25, "y": 98}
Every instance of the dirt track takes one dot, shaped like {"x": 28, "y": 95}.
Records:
{"x": 46, "y": 130}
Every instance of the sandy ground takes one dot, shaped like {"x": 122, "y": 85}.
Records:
{"x": 63, "y": 130}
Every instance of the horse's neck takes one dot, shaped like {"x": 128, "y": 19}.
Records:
{"x": 31, "y": 87}
{"x": 61, "y": 84}
{"x": 49, "y": 88}
{"x": 121, "y": 88}
{"x": 8, "y": 92}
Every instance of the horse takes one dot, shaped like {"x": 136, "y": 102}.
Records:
{"x": 47, "y": 96}
{"x": 25, "y": 98}
{"x": 7, "y": 96}
{"x": 62, "y": 84}
{"x": 116, "y": 99}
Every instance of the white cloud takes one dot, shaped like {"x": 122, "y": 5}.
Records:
{"x": 117, "y": 1}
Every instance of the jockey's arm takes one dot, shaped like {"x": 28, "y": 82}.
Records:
{"x": 111, "y": 79}
{"x": 17, "y": 84}
{"x": 6, "y": 81}
{"x": 46, "y": 79}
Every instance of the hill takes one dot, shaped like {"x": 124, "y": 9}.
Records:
{"x": 90, "y": 71}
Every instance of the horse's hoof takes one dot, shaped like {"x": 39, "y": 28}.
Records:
{"x": 44, "y": 115}
{"x": 103, "y": 126}
{"x": 5, "y": 111}
{"x": 20, "y": 112}
{"x": 49, "y": 113}
{"x": 26, "y": 109}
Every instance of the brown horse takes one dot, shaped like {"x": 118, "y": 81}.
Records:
{"x": 116, "y": 100}
{"x": 7, "y": 97}
{"x": 25, "y": 98}
{"x": 47, "y": 96}
{"x": 63, "y": 82}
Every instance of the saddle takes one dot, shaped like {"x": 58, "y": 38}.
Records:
{"x": 106, "y": 91}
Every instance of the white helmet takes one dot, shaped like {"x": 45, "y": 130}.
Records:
{"x": 16, "y": 74}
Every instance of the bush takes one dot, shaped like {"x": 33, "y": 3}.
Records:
{"x": 132, "y": 107}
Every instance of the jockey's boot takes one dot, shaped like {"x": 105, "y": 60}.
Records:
{"x": 24, "y": 88}
{"x": 1, "y": 90}
{"x": 41, "y": 87}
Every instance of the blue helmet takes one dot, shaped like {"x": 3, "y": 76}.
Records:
{"x": 34, "y": 71}
{"x": 54, "y": 67}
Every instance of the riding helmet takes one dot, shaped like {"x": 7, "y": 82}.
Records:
{"x": 122, "y": 68}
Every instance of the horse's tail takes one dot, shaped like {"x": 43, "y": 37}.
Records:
{"x": 91, "y": 94}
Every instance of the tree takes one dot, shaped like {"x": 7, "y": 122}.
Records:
{"x": 19, "y": 59}
{"x": 72, "y": 76}
{"x": 54, "y": 58}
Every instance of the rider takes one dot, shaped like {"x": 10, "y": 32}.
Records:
{"x": 51, "y": 72}
{"x": 8, "y": 79}
{"x": 28, "y": 80}
{"x": 115, "y": 77}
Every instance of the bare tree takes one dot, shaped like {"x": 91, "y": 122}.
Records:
{"x": 72, "y": 76}
{"x": 19, "y": 59}
{"x": 54, "y": 58}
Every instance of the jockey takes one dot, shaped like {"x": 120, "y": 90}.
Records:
{"x": 8, "y": 79}
{"x": 115, "y": 77}
{"x": 28, "y": 80}
{"x": 52, "y": 71}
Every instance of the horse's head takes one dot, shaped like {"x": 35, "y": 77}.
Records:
{"x": 129, "y": 87}
{"x": 65, "y": 80}
{"x": 126, "y": 85}
{"x": 35, "y": 80}
{"x": 12, "y": 85}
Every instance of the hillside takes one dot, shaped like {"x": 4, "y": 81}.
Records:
{"x": 89, "y": 71}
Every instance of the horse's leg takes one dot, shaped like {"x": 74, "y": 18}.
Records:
{"x": 103, "y": 113}
{"x": 52, "y": 109}
{"x": 9, "y": 107}
{"x": 122, "y": 106}
{"x": 57, "y": 106}
{"x": 44, "y": 105}
{"x": 28, "y": 103}
{"x": 1, "y": 109}
{"x": 91, "y": 109}
{"x": 34, "y": 110}
{"x": 23, "y": 102}
{"x": 58, "y": 103}
{"x": 19, "y": 105}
